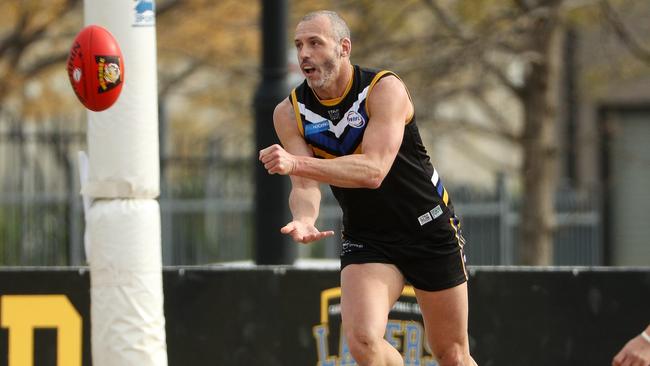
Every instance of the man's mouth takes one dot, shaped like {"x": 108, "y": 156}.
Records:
{"x": 308, "y": 70}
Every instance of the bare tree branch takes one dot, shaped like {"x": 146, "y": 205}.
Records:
{"x": 486, "y": 41}
{"x": 163, "y": 7}
{"x": 495, "y": 116}
{"x": 501, "y": 76}
{"x": 19, "y": 40}
{"x": 570, "y": 5}
{"x": 452, "y": 92}
{"x": 45, "y": 62}
{"x": 188, "y": 70}
{"x": 450, "y": 24}
{"x": 473, "y": 127}
{"x": 522, "y": 4}
{"x": 624, "y": 34}
{"x": 15, "y": 35}
{"x": 385, "y": 30}
{"x": 484, "y": 159}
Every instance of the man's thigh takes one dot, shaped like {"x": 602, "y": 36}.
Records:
{"x": 445, "y": 317}
{"x": 368, "y": 292}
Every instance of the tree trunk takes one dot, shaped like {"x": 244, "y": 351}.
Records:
{"x": 540, "y": 144}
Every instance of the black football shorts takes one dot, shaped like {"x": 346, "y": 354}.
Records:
{"x": 433, "y": 264}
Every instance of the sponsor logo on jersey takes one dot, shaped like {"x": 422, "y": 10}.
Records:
{"x": 424, "y": 219}
{"x": 334, "y": 114}
{"x": 312, "y": 128}
{"x": 436, "y": 212}
{"x": 348, "y": 247}
{"x": 355, "y": 119}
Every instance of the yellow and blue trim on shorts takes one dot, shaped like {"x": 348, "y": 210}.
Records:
{"x": 455, "y": 224}
{"x": 437, "y": 183}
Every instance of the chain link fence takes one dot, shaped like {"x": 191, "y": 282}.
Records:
{"x": 207, "y": 207}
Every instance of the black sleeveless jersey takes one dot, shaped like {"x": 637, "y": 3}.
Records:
{"x": 410, "y": 200}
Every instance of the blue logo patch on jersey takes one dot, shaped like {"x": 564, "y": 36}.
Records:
{"x": 312, "y": 128}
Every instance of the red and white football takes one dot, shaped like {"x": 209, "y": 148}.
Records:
{"x": 96, "y": 68}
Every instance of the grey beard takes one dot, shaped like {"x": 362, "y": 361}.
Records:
{"x": 328, "y": 69}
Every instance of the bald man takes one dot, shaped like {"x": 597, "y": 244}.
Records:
{"x": 354, "y": 129}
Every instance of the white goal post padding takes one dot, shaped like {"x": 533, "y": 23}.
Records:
{"x": 127, "y": 319}
{"x": 123, "y": 181}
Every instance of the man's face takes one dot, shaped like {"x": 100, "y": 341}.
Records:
{"x": 319, "y": 55}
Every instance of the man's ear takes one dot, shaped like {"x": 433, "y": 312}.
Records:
{"x": 346, "y": 47}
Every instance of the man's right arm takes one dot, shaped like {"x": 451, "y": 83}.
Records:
{"x": 305, "y": 196}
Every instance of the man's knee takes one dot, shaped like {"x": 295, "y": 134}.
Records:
{"x": 364, "y": 345}
{"x": 453, "y": 356}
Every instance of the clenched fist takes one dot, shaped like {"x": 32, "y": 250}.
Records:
{"x": 277, "y": 160}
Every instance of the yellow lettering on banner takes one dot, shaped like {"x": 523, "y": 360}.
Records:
{"x": 22, "y": 313}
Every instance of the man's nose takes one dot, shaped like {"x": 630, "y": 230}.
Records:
{"x": 303, "y": 54}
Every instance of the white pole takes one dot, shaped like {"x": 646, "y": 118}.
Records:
{"x": 123, "y": 221}
{"x": 123, "y": 140}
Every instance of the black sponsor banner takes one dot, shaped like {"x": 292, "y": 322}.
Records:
{"x": 40, "y": 309}
{"x": 556, "y": 317}
{"x": 244, "y": 316}
{"x": 288, "y": 316}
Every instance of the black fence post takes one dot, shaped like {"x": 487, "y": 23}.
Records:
{"x": 271, "y": 192}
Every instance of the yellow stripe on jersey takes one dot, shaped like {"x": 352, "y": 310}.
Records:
{"x": 408, "y": 120}
{"x": 376, "y": 79}
{"x": 296, "y": 110}
{"x": 445, "y": 196}
{"x": 322, "y": 153}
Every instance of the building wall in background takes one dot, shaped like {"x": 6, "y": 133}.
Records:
{"x": 626, "y": 168}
